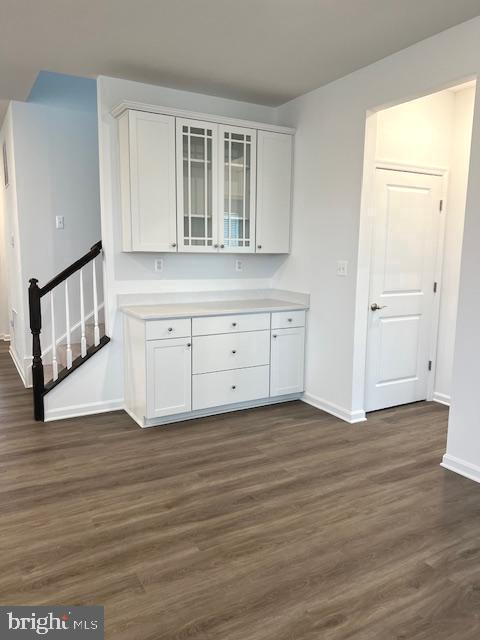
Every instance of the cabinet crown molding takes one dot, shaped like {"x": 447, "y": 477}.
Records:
{"x": 126, "y": 105}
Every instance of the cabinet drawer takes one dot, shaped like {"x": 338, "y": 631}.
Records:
{"x": 177, "y": 328}
{"x": 285, "y": 319}
{"x": 229, "y": 387}
{"x": 230, "y": 324}
{"x": 230, "y": 351}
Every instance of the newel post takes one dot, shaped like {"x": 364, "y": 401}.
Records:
{"x": 34, "y": 297}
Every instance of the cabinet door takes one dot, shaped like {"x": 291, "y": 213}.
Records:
{"x": 237, "y": 151}
{"x": 197, "y": 184}
{"x": 169, "y": 377}
{"x": 274, "y": 192}
{"x": 147, "y": 159}
{"x": 287, "y": 361}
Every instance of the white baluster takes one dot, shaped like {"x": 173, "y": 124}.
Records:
{"x": 67, "y": 322}
{"x": 54, "y": 339}
{"x": 96, "y": 330}
{"x": 83, "y": 340}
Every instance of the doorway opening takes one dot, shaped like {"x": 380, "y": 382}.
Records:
{"x": 417, "y": 158}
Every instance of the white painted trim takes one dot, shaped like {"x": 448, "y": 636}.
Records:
{"x": 18, "y": 366}
{"x": 390, "y": 165}
{"x": 462, "y": 467}
{"x": 442, "y": 398}
{"x": 5, "y": 337}
{"x": 87, "y": 409}
{"x": 352, "y": 417}
{"x": 195, "y": 115}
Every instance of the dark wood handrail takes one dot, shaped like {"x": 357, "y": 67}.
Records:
{"x": 69, "y": 271}
{"x": 35, "y": 294}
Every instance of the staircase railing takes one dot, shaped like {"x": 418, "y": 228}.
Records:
{"x": 35, "y": 295}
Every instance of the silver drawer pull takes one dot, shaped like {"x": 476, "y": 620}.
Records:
{"x": 234, "y": 324}
{"x": 170, "y": 329}
{"x": 234, "y": 386}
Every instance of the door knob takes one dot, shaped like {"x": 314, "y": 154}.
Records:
{"x": 376, "y": 307}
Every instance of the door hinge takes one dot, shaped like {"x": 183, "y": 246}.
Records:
{"x": 435, "y": 285}
{"x": 429, "y": 365}
{"x": 440, "y": 206}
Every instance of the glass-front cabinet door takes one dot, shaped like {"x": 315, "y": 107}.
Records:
{"x": 197, "y": 185}
{"x": 237, "y": 153}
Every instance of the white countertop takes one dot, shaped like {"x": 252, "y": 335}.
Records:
{"x": 209, "y": 308}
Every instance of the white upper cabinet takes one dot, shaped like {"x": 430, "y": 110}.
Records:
{"x": 237, "y": 147}
{"x": 274, "y": 192}
{"x": 193, "y": 185}
{"x": 147, "y": 166}
{"x": 197, "y": 185}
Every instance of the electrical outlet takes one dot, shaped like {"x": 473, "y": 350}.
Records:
{"x": 158, "y": 264}
{"x": 60, "y": 222}
{"x": 342, "y": 268}
{"x": 238, "y": 265}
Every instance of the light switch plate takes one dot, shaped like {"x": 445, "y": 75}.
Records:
{"x": 60, "y": 222}
{"x": 342, "y": 268}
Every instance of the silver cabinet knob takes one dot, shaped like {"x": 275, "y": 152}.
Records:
{"x": 189, "y": 344}
{"x": 234, "y": 351}
{"x": 274, "y": 335}
{"x": 259, "y": 246}
{"x": 376, "y": 307}
{"x": 170, "y": 329}
{"x": 222, "y": 246}
{"x": 173, "y": 245}
{"x": 234, "y": 324}
{"x": 215, "y": 246}
{"x": 290, "y": 319}
{"x": 234, "y": 386}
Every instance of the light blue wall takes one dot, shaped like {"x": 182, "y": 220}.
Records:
{"x": 64, "y": 91}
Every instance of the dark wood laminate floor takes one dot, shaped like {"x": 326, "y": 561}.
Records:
{"x": 271, "y": 524}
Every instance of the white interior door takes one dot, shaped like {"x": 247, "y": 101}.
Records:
{"x": 404, "y": 253}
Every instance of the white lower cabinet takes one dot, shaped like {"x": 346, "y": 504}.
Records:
{"x": 169, "y": 377}
{"x": 230, "y": 387}
{"x": 287, "y": 361}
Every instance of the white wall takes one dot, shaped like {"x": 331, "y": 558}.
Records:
{"x": 329, "y": 157}
{"x": 134, "y": 272}
{"x": 4, "y": 324}
{"x": 435, "y": 132}
{"x": 14, "y": 273}
{"x": 455, "y": 221}
{"x": 54, "y": 172}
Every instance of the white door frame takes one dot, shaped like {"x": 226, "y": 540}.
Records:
{"x": 443, "y": 174}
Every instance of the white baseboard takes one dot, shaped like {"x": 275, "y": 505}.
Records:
{"x": 352, "y": 417}
{"x": 18, "y": 366}
{"x": 76, "y": 411}
{"x": 462, "y": 467}
{"x": 442, "y": 398}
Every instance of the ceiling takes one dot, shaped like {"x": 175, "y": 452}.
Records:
{"x": 265, "y": 51}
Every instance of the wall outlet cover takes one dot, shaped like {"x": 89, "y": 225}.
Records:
{"x": 342, "y": 268}
{"x": 158, "y": 264}
{"x": 238, "y": 265}
{"x": 60, "y": 222}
